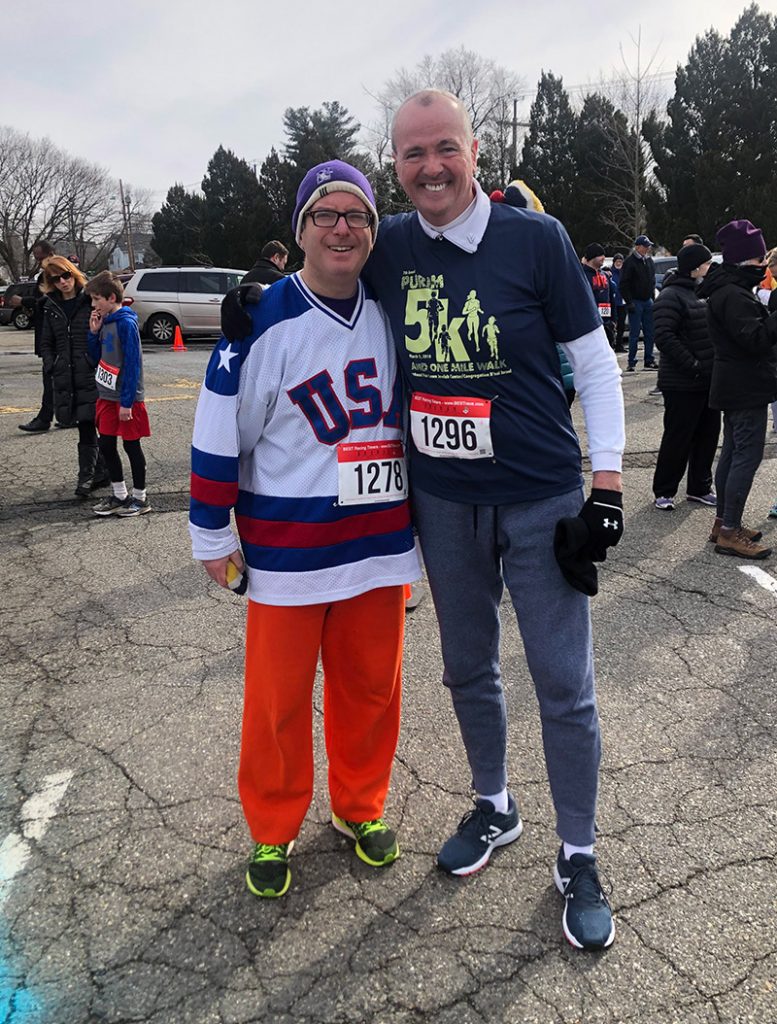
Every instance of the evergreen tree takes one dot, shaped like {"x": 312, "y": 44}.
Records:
{"x": 177, "y": 228}
{"x": 328, "y": 133}
{"x": 715, "y": 157}
{"x": 278, "y": 183}
{"x": 548, "y": 162}
{"x": 231, "y": 231}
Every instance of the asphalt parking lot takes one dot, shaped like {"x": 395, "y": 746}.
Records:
{"x": 122, "y": 844}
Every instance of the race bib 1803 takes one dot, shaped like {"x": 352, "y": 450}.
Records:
{"x": 107, "y": 375}
{"x": 451, "y": 428}
{"x": 371, "y": 471}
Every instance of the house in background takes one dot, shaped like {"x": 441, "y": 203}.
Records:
{"x": 119, "y": 260}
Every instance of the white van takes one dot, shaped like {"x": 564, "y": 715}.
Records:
{"x": 187, "y": 297}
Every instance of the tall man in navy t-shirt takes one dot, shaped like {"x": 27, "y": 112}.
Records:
{"x": 495, "y": 463}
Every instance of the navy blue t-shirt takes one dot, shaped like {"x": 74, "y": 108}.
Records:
{"x": 484, "y": 325}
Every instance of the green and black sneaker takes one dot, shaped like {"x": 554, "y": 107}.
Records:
{"x": 376, "y": 844}
{"x": 268, "y": 872}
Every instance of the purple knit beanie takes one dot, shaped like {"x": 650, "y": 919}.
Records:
{"x": 739, "y": 240}
{"x": 323, "y": 179}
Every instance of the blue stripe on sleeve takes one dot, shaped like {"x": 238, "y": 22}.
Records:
{"x": 209, "y": 517}
{"x": 323, "y": 509}
{"x": 308, "y": 559}
{"x": 222, "y": 468}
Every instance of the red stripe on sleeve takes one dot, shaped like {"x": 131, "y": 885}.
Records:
{"x": 274, "y": 534}
{"x": 214, "y": 492}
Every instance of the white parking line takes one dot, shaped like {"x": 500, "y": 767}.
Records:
{"x": 762, "y": 578}
{"x": 37, "y": 812}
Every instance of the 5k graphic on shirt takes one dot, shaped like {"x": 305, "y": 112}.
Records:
{"x": 444, "y": 341}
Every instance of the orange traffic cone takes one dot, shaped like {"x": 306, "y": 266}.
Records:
{"x": 178, "y": 345}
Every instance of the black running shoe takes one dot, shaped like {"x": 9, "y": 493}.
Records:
{"x": 110, "y": 505}
{"x": 478, "y": 832}
{"x": 268, "y": 872}
{"x": 587, "y": 920}
{"x": 134, "y": 507}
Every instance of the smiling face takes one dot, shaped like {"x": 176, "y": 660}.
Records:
{"x": 435, "y": 157}
{"x": 334, "y": 256}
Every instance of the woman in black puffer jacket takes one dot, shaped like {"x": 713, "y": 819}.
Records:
{"x": 63, "y": 343}
{"x": 691, "y": 428}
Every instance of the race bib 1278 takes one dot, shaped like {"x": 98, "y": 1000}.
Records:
{"x": 371, "y": 471}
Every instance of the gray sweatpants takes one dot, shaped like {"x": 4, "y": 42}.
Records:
{"x": 470, "y": 552}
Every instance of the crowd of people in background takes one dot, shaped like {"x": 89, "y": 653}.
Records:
{"x": 714, "y": 328}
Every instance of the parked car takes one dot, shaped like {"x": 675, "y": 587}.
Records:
{"x": 663, "y": 264}
{"x": 187, "y": 297}
{"x": 20, "y": 317}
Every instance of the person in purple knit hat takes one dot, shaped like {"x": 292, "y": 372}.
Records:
{"x": 744, "y": 379}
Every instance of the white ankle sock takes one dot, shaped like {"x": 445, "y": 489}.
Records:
{"x": 139, "y": 494}
{"x": 499, "y": 800}
{"x": 119, "y": 490}
{"x": 570, "y": 851}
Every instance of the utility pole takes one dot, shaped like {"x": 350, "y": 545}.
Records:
{"x": 638, "y": 142}
{"x": 127, "y": 218}
{"x": 516, "y": 124}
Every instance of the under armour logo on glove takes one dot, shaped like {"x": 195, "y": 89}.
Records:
{"x": 603, "y": 515}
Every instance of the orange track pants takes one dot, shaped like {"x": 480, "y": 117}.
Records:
{"x": 360, "y": 642}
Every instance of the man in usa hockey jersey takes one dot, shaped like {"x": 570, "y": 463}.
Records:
{"x": 299, "y": 429}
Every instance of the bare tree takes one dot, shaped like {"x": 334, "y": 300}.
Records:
{"x": 486, "y": 90}
{"x": 47, "y": 194}
{"x": 637, "y": 89}
{"x": 30, "y": 205}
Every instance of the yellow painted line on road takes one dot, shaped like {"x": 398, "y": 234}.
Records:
{"x": 172, "y": 398}
{"x": 12, "y": 410}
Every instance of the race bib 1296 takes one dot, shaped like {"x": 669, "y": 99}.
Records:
{"x": 451, "y": 428}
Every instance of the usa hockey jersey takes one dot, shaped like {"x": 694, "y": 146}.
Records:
{"x": 273, "y": 413}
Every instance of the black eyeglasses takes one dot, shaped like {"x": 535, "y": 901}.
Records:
{"x": 329, "y": 218}
{"x": 56, "y": 278}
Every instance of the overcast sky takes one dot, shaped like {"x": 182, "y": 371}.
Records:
{"x": 150, "y": 88}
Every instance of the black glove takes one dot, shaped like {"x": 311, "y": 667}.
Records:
{"x": 630, "y": 307}
{"x": 603, "y": 515}
{"x": 570, "y": 546}
{"x": 236, "y": 322}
